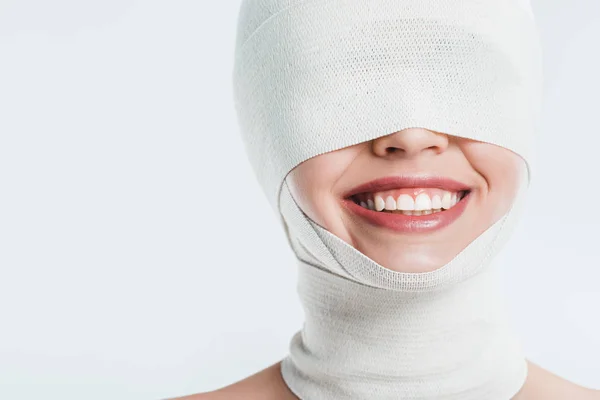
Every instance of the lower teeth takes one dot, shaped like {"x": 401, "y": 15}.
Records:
{"x": 423, "y": 212}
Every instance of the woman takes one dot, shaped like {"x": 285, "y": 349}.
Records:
{"x": 318, "y": 185}
{"x": 394, "y": 139}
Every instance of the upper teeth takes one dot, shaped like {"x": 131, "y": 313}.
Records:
{"x": 423, "y": 203}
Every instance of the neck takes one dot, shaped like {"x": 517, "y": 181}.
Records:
{"x": 371, "y": 332}
{"x": 359, "y": 340}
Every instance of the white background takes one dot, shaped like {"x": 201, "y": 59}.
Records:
{"x": 138, "y": 256}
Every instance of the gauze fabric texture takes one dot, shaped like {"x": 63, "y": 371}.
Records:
{"x": 315, "y": 76}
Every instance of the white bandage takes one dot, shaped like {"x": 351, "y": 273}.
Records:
{"x": 314, "y": 76}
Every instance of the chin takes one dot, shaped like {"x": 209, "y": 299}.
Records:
{"x": 408, "y": 258}
{"x": 413, "y": 252}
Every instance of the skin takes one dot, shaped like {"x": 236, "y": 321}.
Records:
{"x": 490, "y": 171}
{"x": 317, "y": 185}
{"x": 268, "y": 385}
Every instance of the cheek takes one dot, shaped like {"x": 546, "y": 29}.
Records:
{"x": 501, "y": 171}
{"x": 312, "y": 183}
{"x": 301, "y": 188}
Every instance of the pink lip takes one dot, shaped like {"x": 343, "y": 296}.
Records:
{"x": 408, "y": 223}
{"x": 398, "y": 182}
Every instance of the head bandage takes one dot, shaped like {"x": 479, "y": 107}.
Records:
{"x": 313, "y": 76}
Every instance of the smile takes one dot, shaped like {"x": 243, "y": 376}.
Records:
{"x": 410, "y": 201}
{"x": 409, "y": 204}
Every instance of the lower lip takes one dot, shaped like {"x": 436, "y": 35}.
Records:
{"x": 409, "y": 223}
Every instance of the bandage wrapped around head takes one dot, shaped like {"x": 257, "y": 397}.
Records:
{"x": 314, "y": 76}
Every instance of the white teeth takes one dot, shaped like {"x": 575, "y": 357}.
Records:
{"x": 379, "y": 203}
{"x": 436, "y": 202}
{"x": 422, "y": 202}
{"x": 370, "y": 204}
{"x": 406, "y": 202}
{"x": 390, "y": 203}
{"x": 446, "y": 200}
{"x": 421, "y": 205}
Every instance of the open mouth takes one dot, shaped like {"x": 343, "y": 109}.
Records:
{"x": 410, "y": 201}
{"x": 409, "y": 204}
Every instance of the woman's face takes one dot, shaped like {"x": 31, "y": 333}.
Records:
{"x": 487, "y": 175}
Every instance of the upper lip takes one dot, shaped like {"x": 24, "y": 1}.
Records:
{"x": 399, "y": 182}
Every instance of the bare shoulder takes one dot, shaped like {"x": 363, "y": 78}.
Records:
{"x": 542, "y": 384}
{"x": 264, "y": 385}
{"x": 269, "y": 385}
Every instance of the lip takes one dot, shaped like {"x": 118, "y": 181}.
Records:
{"x": 398, "y": 182}
{"x": 409, "y": 223}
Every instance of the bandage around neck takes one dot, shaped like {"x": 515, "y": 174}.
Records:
{"x": 315, "y": 76}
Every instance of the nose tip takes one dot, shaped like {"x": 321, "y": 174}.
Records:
{"x": 410, "y": 142}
